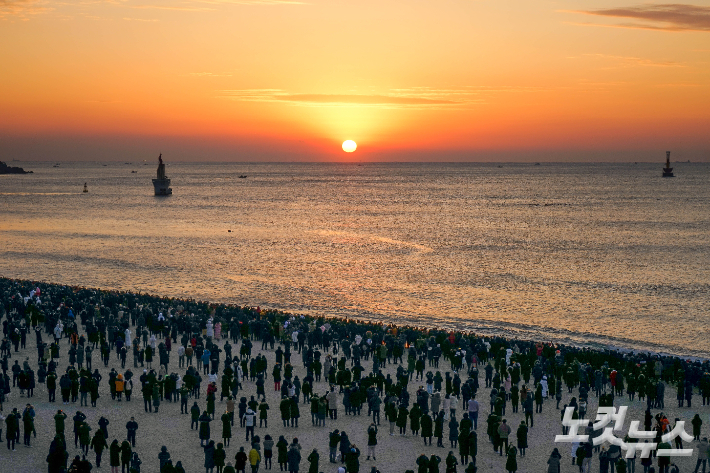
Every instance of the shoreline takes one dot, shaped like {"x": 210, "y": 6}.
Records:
{"x": 496, "y": 332}
{"x": 344, "y": 339}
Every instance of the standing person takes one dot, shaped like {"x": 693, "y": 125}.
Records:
{"x": 313, "y": 460}
{"x": 522, "y": 435}
{"x": 136, "y": 463}
{"x": 703, "y": 447}
{"x": 241, "y": 460}
{"x": 249, "y": 422}
{"x": 371, "y": 441}
{"x": 503, "y": 434}
{"x": 209, "y": 456}
{"x": 268, "y": 451}
{"x": 553, "y": 463}
{"x": 254, "y": 460}
{"x": 84, "y": 438}
{"x": 226, "y": 428}
{"x": 333, "y": 440}
{"x": 511, "y": 463}
{"x": 98, "y": 443}
{"x": 528, "y": 408}
{"x": 219, "y": 457}
{"x": 294, "y": 459}
{"x": 163, "y": 457}
{"x": 204, "y": 428}
{"x": 126, "y": 454}
{"x": 282, "y": 447}
{"x": 352, "y": 459}
{"x": 132, "y": 427}
{"x": 12, "y": 428}
{"x": 28, "y": 421}
{"x": 114, "y": 456}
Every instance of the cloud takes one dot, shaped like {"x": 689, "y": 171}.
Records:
{"x": 23, "y": 9}
{"x": 139, "y": 19}
{"x": 363, "y": 99}
{"x": 396, "y": 99}
{"x": 208, "y": 74}
{"x": 664, "y": 17}
{"x": 631, "y": 61}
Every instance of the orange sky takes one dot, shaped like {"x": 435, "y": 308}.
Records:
{"x": 447, "y": 80}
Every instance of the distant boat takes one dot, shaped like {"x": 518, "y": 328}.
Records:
{"x": 668, "y": 170}
{"x": 162, "y": 182}
{"x": 537, "y": 164}
{"x": 86, "y": 189}
{"x": 242, "y": 176}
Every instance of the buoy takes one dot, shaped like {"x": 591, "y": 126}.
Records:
{"x": 85, "y": 188}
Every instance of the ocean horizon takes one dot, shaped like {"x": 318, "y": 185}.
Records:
{"x": 601, "y": 255}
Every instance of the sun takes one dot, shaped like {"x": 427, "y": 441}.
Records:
{"x": 349, "y": 146}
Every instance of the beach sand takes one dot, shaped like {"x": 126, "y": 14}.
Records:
{"x": 395, "y": 454}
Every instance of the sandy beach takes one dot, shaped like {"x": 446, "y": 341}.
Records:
{"x": 395, "y": 454}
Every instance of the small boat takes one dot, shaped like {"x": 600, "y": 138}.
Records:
{"x": 668, "y": 170}
{"x": 242, "y": 176}
{"x": 162, "y": 182}
{"x": 86, "y": 189}
{"x": 134, "y": 172}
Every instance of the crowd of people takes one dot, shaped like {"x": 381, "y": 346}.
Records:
{"x": 219, "y": 362}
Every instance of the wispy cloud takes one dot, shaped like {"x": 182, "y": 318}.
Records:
{"x": 208, "y": 74}
{"x": 411, "y": 97}
{"x": 395, "y": 99}
{"x": 663, "y": 17}
{"x": 631, "y": 61}
{"x": 23, "y": 9}
{"x": 140, "y": 19}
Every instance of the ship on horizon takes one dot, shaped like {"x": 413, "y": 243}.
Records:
{"x": 668, "y": 170}
{"x": 162, "y": 182}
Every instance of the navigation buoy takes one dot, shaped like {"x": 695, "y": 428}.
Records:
{"x": 85, "y": 188}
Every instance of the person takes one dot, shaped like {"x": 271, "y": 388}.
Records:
{"x": 522, "y": 435}
{"x": 254, "y": 460}
{"x": 371, "y": 441}
{"x": 12, "y": 429}
{"x": 511, "y": 463}
{"x": 241, "y": 460}
{"x": 553, "y": 463}
{"x": 114, "y": 456}
{"x": 282, "y": 448}
{"x": 249, "y": 421}
{"x": 313, "y": 460}
{"x": 209, "y": 456}
{"x": 135, "y": 463}
{"x": 132, "y": 427}
{"x": 226, "y": 428}
{"x": 294, "y": 459}
{"x": 352, "y": 459}
{"x": 451, "y": 463}
{"x": 503, "y": 433}
{"x": 703, "y": 447}
{"x": 204, "y": 428}
{"x": 98, "y": 443}
{"x": 126, "y": 454}
{"x": 268, "y": 451}
{"x": 163, "y": 457}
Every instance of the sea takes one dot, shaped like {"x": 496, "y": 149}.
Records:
{"x": 599, "y": 255}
